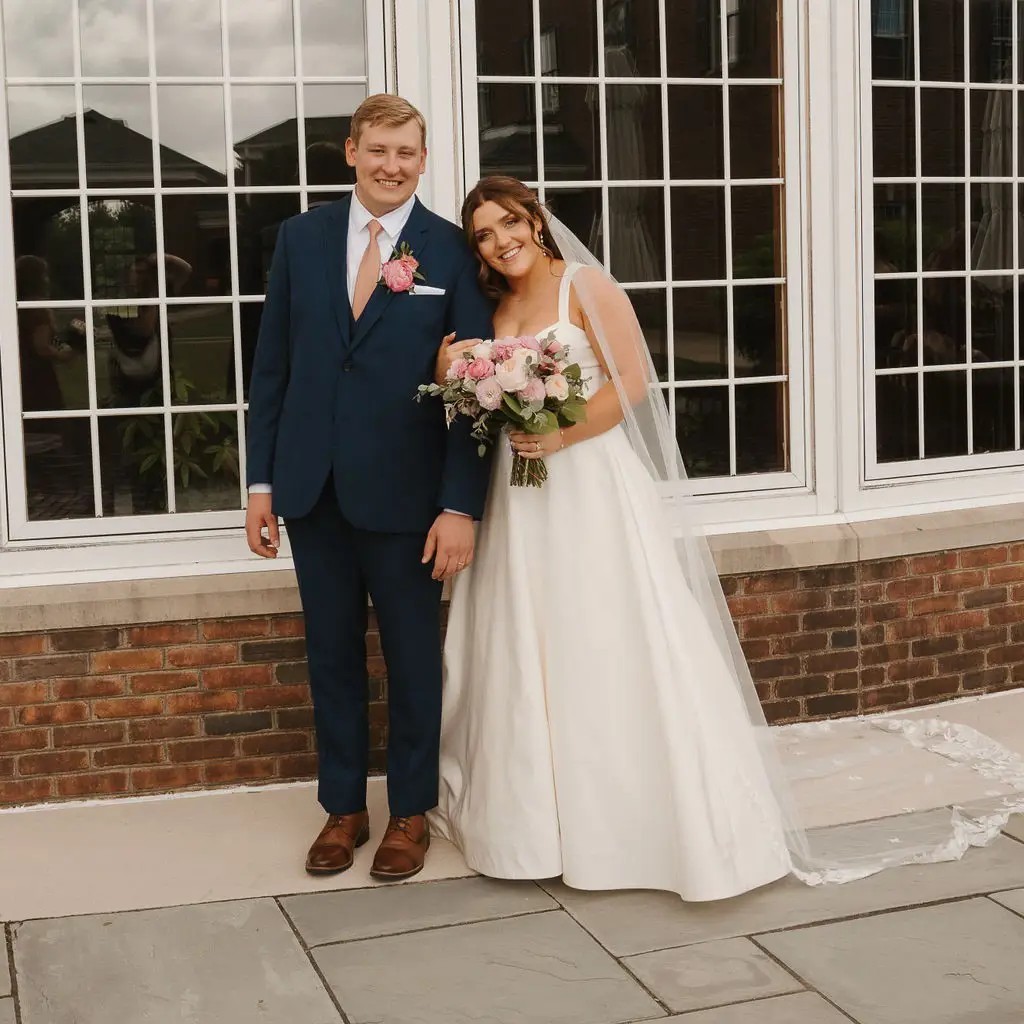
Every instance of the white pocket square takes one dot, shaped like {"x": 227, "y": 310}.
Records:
{"x": 426, "y": 289}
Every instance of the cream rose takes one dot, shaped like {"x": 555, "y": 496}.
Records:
{"x": 557, "y": 387}
{"x": 513, "y": 374}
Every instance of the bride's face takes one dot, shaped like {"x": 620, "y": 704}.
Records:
{"x": 505, "y": 240}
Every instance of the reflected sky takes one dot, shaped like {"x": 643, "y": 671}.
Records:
{"x": 37, "y": 37}
{"x": 333, "y": 37}
{"x": 114, "y": 38}
{"x": 192, "y": 122}
{"x": 260, "y": 37}
{"x": 188, "y": 37}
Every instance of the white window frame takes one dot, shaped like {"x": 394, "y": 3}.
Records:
{"x": 15, "y": 526}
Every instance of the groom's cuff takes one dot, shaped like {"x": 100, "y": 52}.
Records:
{"x": 454, "y": 511}
{"x": 260, "y": 489}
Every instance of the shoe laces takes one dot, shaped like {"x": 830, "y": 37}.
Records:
{"x": 401, "y": 825}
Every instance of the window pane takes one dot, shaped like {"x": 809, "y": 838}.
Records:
{"x": 698, "y": 234}
{"x": 333, "y": 37}
{"x": 572, "y": 140}
{"x": 43, "y": 136}
{"x": 760, "y": 330}
{"x": 992, "y": 318}
{"x": 895, "y": 228}
{"x": 696, "y": 143}
{"x": 38, "y": 38}
{"x": 133, "y": 464}
{"x": 652, "y": 312}
{"x": 206, "y": 461}
{"x": 991, "y": 41}
{"x": 632, "y": 39}
{"x": 201, "y": 340}
{"x": 249, "y": 316}
{"x": 266, "y": 135}
{"x": 695, "y": 33}
{"x": 896, "y": 423}
{"x": 993, "y": 410}
{"x": 196, "y": 236}
{"x": 896, "y": 335}
{"x": 580, "y": 210}
{"x": 49, "y": 230}
{"x": 945, "y": 414}
{"x": 634, "y": 132}
{"x": 991, "y": 133}
{"x": 508, "y": 131}
{"x": 757, "y": 231}
{"x": 942, "y": 132}
{"x": 260, "y": 37}
{"x": 122, "y": 244}
{"x": 752, "y": 33}
{"x": 761, "y": 427}
{"x": 128, "y": 356}
{"x": 892, "y": 38}
{"x": 702, "y": 430}
{"x": 754, "y": 131}
{"x": 114, "y": 38}
{"x": 893, "y": 133}
{"x": 188, "y": 37}
{"x": 259, "y": 219}
{"x": 568, "y": 37}
{"x": 992, "y": 226}
{"x": 329, "y": 110}
{"x": 504, "y": 46}
{"x": 942, "y": 226}
{"x": 51, "y": 355}
{"x": 637, "y": 233}
{"x": 701, "y": 333}
{"x": 942, "y": 40}
{"x": 118, "y": 136}
{"x": 945, "y": 321}
{"x": 58, "y": 469}
{"x": 192, "y": 142}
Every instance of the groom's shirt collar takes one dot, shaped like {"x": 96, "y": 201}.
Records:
{"x": 393, "y": 223}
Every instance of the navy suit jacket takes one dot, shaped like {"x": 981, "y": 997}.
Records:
{"x": 332, "y": 395}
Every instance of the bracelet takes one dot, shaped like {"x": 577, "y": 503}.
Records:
{"x": 561, "y": 434}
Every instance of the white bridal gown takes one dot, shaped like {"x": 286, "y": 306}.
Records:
{"x": 591, "y": 728}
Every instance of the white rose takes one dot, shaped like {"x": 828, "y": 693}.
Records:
{"x": 515, "y": 371}
{"x": 483, "y": 350}
{"x": 557, "y": 387}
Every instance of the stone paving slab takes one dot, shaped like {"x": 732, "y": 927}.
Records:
{"x": 540, "y": 969}
{"x": 367, "y": 913}
{"x": 222, "y": 963}
{"x": 806, "y": 1008}
{"x": 1015, "y": 827}
{"x": 713, "y": 973}
{"x": 7, "y": 1011}
{"x": 933, "y": 965}
{"x": 5, "y": 969}
{"x": 1014, "y": 900}
{"x": 638, "y": 922}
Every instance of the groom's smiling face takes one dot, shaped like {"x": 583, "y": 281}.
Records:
{"x": 388, "y": 162}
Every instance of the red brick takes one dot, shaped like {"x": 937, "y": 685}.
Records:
{"x": 799, "y": 643}
{"x": 128, "y": 707}
{"x": 200, "y": 750}
{"x": 965, "y": 661}
{"x": 276, "y": 743}
{"x": 1009, "y": 613}
{"x": 14, "y": 740}
{"x": 887, "y": 570}
{"x": 134, "y": 753}
{"x": 883, "y": 653}
{"x": 983, "y": 598}
{"x": 826, "y": 577}
{"x": 884, "y": 612}
{"x": 25, "y": 791}
{"x": 202, "y": 654}
{"x": 985, "y": 678}
{"x": 235, "y": 629}
{"x": 885, "y": 696}
{"x": 833, "y": 661}
{"x": 959, "y": 621}
{"x": 907, "y": 629}
{"x": 54, "y": 714}
{"x": 93, "y": 784}
{"x": 197, "y": 703}
{"x": 771, "y": 668}
{"x": 17, "y": 645}
{"x": 294, "y": 766}
{"x": 289, "y": 625}
{"x": 1005, "y": 655}
{"x": 770, "y": 583}
{"x": 800, "y": 601}
{"x": 872, "y": 593}
{"x": 846, "y": 681}
{"x": 377, "y": 669}
{"x": 53, "y": 762}
{"x": 771, "y": 625}
{"x": 782, "y": 710}
{"x": 163, "y": 634}
{"x": 845, "y": 598}
{"x": 753, "y": 650}
{"x": 872, "y": 676}
{"x": 85, "y": 640}
{"x": 93, "y": 734}
{"x": 127, "y": 661}
{"x": 1006, "y": 573}
{"x": 50, "y": 667}
{"x": 730, "y": 585}
{"x": 276, "y": 697}
{"x": 941, "y": 686}
{"x": 162, "y": 728}
{"x": 237, "y": 677}
{"x": 1015, "y": 552}
{"x": 171, "y": 777}
{"x": 990, "y": 636}
{"x": 163, "y": 682}
{"x": 919, "y": 668}
{"x": 88, "y": 686}
{"x": 935, "y": 645}
{"x": 932, "y": 605}
{"x": 832, "y": 704}
{"x": 6, "y": 767}
{"x": 955, "y": 581}
{"x": 913, "y": 586}
{"x": 925, "y": 565}
{"x": 983, "y": 556}
{"x": 248, "y": 770}
{"x": 871, "y": 635}
{"x": 801, "y": 687}
{"x": 742, "y": 606}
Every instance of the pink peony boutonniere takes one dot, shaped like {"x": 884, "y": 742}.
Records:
{"x": 401, "y": 272}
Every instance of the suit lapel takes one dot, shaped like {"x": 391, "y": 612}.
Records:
{"x": 335, "y": 238}
{"x": 417, "y": 234}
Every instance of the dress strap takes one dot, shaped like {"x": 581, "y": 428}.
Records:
{"x": 563, "y": 291}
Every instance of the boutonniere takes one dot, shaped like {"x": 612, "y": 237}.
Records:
{"x": 401, "y": 272}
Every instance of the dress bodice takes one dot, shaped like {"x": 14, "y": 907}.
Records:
{"x": 574, "y": 338}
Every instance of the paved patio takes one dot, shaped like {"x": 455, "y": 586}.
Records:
{"x": 939, "y": 944}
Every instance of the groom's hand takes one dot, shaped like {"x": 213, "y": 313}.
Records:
{"x": 258, "y": 517}
{"x": 450, "y": 543}
{"x": 447, "y": 353}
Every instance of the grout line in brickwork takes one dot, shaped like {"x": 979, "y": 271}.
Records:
{"x": 9, "y": 950}
{"x": 312, "y": 963}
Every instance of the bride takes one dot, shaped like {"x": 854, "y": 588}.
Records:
{"x": 595, "y": 723}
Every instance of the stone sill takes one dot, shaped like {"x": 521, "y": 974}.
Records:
{"x": 231, "y": 594}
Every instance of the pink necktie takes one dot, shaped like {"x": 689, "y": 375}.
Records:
{"x": 369, "y": 272}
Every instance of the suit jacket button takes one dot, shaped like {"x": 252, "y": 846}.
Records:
{"x": 347, "y": 367}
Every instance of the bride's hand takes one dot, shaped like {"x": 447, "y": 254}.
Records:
{"x": 447, "y": 353}
{"x": 537, "y": 446}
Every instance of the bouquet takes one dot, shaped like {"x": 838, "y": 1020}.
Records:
{"x": 526, "y": 383}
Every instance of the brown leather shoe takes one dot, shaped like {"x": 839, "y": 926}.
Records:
{"x": 334, "y": 848}
{"x": 402, "y": 850}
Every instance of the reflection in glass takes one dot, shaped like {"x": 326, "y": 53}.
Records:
{"x": 895, "y": 228}
{"x": 43, "y": 136}
{"x": 698, "y": 233}
{"x": 945, "y": 320}
{"x": 128, "y": 358}
{"x": 632, "y": 38}
{"x": 702, "y": 430}
{"x": 568, "y": 37}
{"x": 896, "y": 426}
{"x": 754, "y": 127}
{"x": 942, "y": 226}
{"x": 991, "y": 133}
{"x": 133, "y": 460}
{"x": 752, "y": 30}
{"x": 992, "y": 318}
{"x": 508, "y": 131}
{"x": 572, "y": 143}
{"x": 329, "y": 110}
{"x": 652, "y": 312}
{"x": 260, "y": 38}
{"x": 991, "y": 41}
{"x": 942, "y": 132}
{"x": 945, "y": 414}
{"x": 992, "y": 226}
{"x": 58, "y": 469}
{"x": 942, "y": 40}
{"x": 114, "y": 38}
{"x": 192, "y": 141}
{"x": 694, "y": 30}
{"x": 892, "y": 39}
{"x": 122, "y": 241}
{"x": 759, "y": 326}
{"x": 757, "y": 231}
{"x": 636, "y": 218}
{"x": 188, "y": 36}
{"x": 201, "y": 344}
{"x": 762, "y": 425}
{"x": 580, "y": 210}
{"x": 504, "y": 45}
{"x": 896, "y": 334}
{"x": 205, "y": 461}
{"x": 118, "y": 136}
{"x": 893, "y": 132}
{"x": 38, "y": 38}
{"x": 266, "y": 135}
{"x": 993, "y": 411}
{"x": 52, "y": 230}
{"x": 701, "y": 333}
{"x": 196, "y": 230}
{"x": 333, "y": 37}
{"x": 259, "y": 220}
{"x": 696, "y": 143}
{"x": 633, "y": 126}
{"x": 249, "y": 316}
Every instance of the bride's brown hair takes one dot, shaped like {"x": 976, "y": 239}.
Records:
{"x": 512, "y": 195}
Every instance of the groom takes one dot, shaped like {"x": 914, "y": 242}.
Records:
{"x": 378, "y": 497}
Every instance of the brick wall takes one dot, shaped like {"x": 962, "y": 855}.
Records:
{"x": 189, "y": 705}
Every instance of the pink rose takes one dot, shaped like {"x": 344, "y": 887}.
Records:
{"x": 553, "y": 348}
{"x": 530, "y": 342}
{"x": 457, "y": 370}
{"x": 533, "y": 392}
{"x": 504, "y": 347}
{"x": 410, "y": 261}
{"x": 557, "y": 387}
{"x": 489, "y": 394}
{"x": 478, "y": 369}
{"x": 398, "y": 275}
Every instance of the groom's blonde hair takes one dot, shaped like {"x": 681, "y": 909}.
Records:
{"x": 387, "y": 110}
